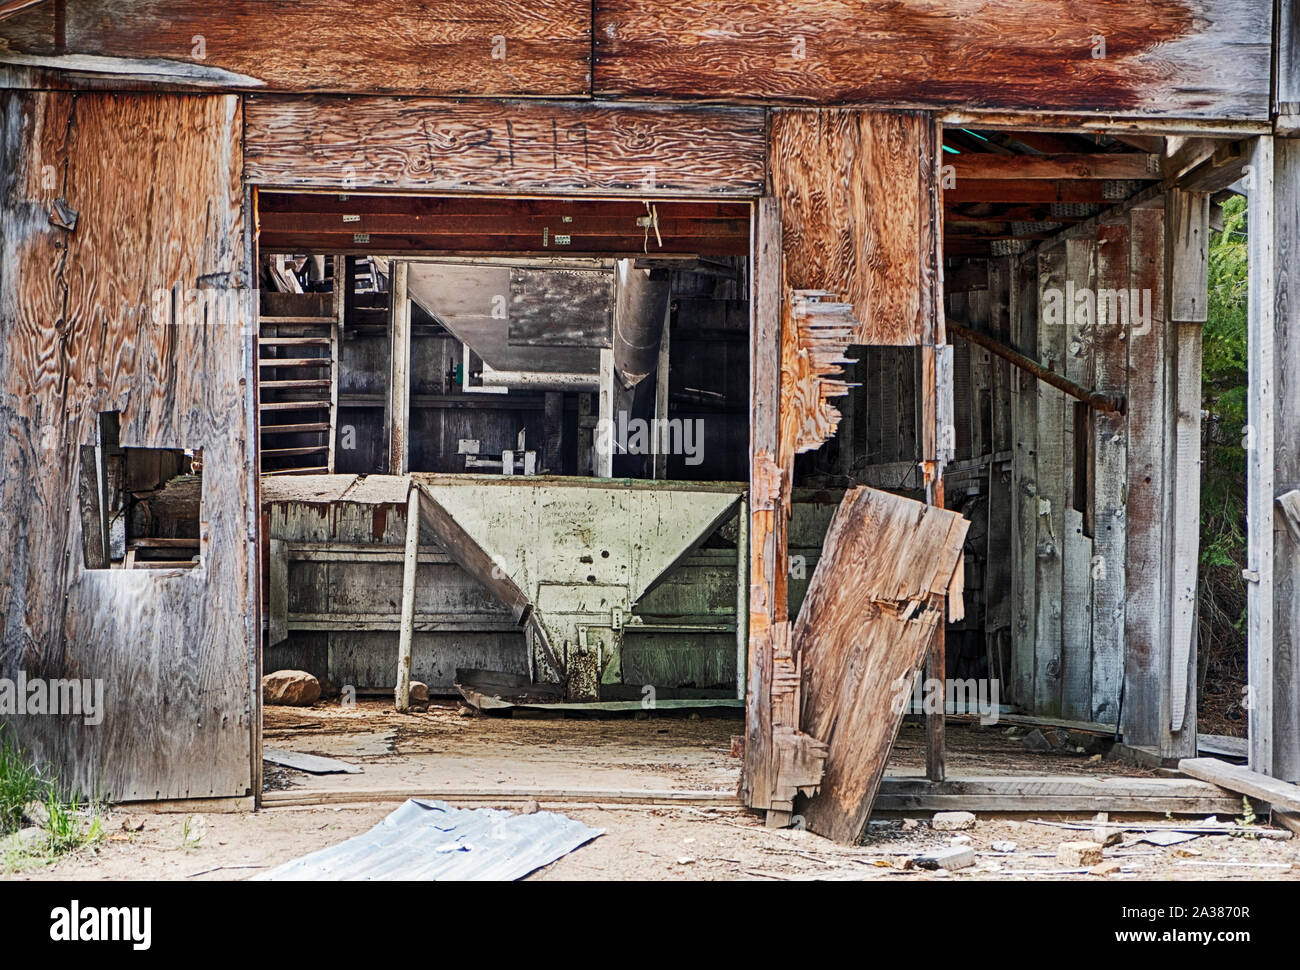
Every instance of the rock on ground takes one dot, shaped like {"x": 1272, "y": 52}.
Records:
{"x": 1078, "y": 855}
{"x": 952, "y": 821}
{"x": 295, "y": 688}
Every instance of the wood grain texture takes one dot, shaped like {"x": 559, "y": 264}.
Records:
{"x": 857, "y": 214}
{"x": 1167, "y": 58}
{"x": 87, "y": 325}
{"x": 861, "y": 637}
{"x": 445, "y": 47}
{"x": 535, "y": 147}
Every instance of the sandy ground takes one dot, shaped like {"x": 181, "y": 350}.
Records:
{"x": 447, "y": 749}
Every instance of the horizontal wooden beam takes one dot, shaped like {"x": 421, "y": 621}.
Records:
{"x": 1028, "y": 190}
{"x": 1186, "y": 59}
{"x": 431, "y": 47}
{"x": 1018, "y": 167}
{"x": 529, "y": 147}
{"x": 486, "y": 245}
{"x": 1045, "y": 793}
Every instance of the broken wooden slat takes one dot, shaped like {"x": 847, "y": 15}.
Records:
{"x": 862, "y": 636}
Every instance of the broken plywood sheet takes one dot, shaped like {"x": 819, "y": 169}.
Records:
{"x": 872, "y": 610}
{"x": 432, "y": 840}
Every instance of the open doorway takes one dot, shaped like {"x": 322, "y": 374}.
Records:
{"x": 559, "y": 390}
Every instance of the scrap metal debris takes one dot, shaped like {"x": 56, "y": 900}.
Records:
{"x": 433, "y": 840}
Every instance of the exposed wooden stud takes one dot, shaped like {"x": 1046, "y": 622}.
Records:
{"x": 406, "y": 633}
{"x": 399, "y": 384}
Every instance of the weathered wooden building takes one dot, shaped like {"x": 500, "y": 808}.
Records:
{"x": 953, "y": 251}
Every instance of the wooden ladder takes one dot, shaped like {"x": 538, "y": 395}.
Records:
{"x": 298, "y": 362}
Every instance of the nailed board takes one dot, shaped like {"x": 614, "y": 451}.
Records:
{"x": 543, "y": 147}
{"x": 857, "y": 216}
{"x": 1166, "y": 58}
{"x": 80, "y": 333}
{"x": 859, "y": 655}
{"x": 446, "y": 47}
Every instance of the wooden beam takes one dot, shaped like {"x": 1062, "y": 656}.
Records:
{"x": 1063, "y": 794}
{"x": 533, "y": 147}
{"x": 399, "y": 381}
{"x": 1286, "y": 459}
{"x": 406, "y": 633}
{"x": 1200, "y": 59}
{"x": 1261, "y": 374}
{"x": 1055, "y": 167}
{"x": 1238, "y": 778}
{"x": 425, "y": 47}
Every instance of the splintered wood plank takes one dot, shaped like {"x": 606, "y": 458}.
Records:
{"x": 862, "y": 636}
{"x": 1147, "y": 483}
{"x": 1168, "y": 58}
{"x": 542, "y": 147}
{"x": 856, "y": 189}
{"x": 1118, "y": 265}
{"x": 444, "y": 47}
{"x": 90, "y": 327}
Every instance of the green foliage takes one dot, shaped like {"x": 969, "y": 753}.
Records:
{"x": 20, "y": 783}
{"x": 1223, "y": 472}
{"x": 70, "y": 822}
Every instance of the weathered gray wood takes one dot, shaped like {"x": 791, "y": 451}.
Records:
{"x": 1286, "y": 459}
{"x": 1242, "y": 779}
{"x": 1147, "y": 486}
{"x": 1260, "y": 337}
{"x": 1024, "y": 398}
{"x": 1116, "y": 251}
{"x": 80, "y": 339}
{"x": 402, "y": 693}
{"x": 398, "y": 411}
{"x": 1050, "y": 522}
{"x": 1077, "y": 548}
{"x": 277, "y": 596}
{"x": 1047, "y": 793}
{"x": 1188, "y": 260}
{"x": 311, "y": 763}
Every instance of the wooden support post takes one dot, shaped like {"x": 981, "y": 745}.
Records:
{"x": 659, "y": 458}
{"x": 410, "y": 563}
{"x": 336, "y": 354}
{"x": 1024, "y": 472}
{"x": 1286, "y": 459}
{"x": 605, "y": 422}
{"x": 1146, "y": 555}
{"x": 1260, "y": 336}
{"x": 399, "y": 384}
{"x": 767, "y": 525}
{"x": 1188, "y": 237}
{"x": 1050, "y": 521}
{"x": 742, "y": 596}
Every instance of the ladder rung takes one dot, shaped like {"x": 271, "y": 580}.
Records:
{"x": 264, "y": 319}
{"x": 294, "y": 362}
{"x": 309, "y": 470}
{"x": 287, "y": 452}
{"x": 295, "y": 428}
{"x": 274, "y": 385}
{"x": 293, "y": 405}
{"x": 294, "y": 341}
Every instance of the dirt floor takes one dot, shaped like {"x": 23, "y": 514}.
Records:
{"x": 449, "y": 748}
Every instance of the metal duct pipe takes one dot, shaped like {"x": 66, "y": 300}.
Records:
{"x": 640, "y": 308}
{"x": 536, "y": 380}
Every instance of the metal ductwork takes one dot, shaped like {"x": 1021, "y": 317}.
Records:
{"x": 640, "y": 309}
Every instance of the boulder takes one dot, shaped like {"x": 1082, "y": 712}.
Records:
{"x": 294, "y": 688}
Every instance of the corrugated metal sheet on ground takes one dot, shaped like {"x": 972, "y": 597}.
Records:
{"x": 432, "y": 840}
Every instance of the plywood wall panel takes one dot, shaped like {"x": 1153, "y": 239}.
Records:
{"x": 857, "y": 219}
{"x": 533, "y": 147}
{"x": 138, "y": 310}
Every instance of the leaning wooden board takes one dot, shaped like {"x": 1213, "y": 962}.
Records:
{"x": 873, "y": 607}
{"x": 1238, "y": 778}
